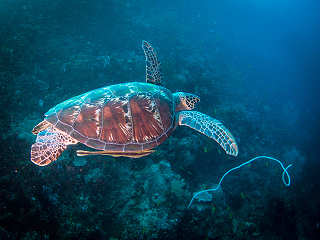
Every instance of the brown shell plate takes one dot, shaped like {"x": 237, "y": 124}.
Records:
{"x": 123, "y": 117}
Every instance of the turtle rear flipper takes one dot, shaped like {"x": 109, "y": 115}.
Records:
{"x": 50, "y": 143}
{"x": 40, "y": 127}
{"x": 210, "y": 127}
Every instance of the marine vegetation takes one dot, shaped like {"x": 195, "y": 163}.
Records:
{"x": 150, "y": 164}
{"x": 129, "y": 120}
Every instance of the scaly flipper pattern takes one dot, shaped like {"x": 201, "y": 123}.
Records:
{"x": 50, "y": 143}
{"x": 210, "y": 127}
{"x": 153, "y": 74}
{"x": 40, "y": 127}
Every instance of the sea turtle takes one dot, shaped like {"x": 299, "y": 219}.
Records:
{"x": 127, "y": 119}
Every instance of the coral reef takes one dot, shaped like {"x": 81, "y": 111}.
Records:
{"x": 53, "y": 50}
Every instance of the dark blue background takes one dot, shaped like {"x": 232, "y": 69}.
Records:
{"x": 256, "y": 66}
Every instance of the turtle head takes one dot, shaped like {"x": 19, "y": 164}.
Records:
{"x": 185, "y": 101}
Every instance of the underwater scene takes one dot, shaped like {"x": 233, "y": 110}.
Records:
{"x": 135, "y": 119}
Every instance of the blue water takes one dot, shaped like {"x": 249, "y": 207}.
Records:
{"x": 255, "y": 66}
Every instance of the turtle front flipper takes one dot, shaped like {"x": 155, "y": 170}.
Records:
{"x": 153, "y": 74}
{"x": 210, "y": 127}
{"x": 50, "y": 143}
